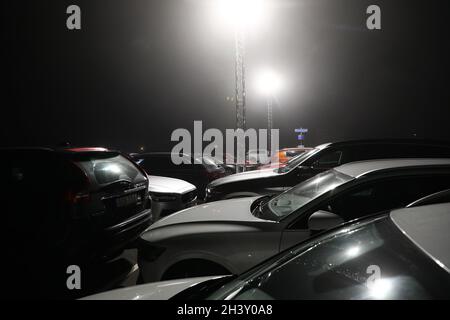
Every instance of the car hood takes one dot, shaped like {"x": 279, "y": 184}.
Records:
{"x": 233, "y": 210}
{"x": 251, "y": 175}
{"x": 151, "y": 291}
{"x": 168, "y": 185}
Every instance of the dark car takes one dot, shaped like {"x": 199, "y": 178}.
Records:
{"x": 69, "y": 207}
{"x": 319, "y": 159}
{"x": 197, "y": 171}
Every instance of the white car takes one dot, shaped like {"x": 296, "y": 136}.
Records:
{"x": 169, "y": 195}
{"x": 231, "y": 236}
{"x": 409, "y": 247}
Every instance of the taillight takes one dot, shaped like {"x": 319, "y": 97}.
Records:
{"x": 76, "y": 197}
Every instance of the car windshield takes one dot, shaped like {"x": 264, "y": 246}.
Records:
{"x": 373, "y": 260}
{"x": 207, "y": 160}
{"x": 303, "y": 193}
{"x": 112, "y": 169}
{"x": 296, "y": 161}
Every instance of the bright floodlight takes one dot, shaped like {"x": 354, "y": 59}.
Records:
{"x": 242, "y": 13}
{"x": 268, "y": 83}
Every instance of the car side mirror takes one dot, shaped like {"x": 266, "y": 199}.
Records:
{"x": 323, "y": 220}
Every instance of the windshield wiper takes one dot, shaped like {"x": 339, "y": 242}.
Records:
{"x": 257, "y": 212}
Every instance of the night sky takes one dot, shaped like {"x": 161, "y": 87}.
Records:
{"x": 140, "y": 69}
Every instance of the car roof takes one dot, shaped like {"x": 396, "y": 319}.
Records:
{"x": 427, "y": 227}
{"x": 418, "y": 142}
{"x": 296, "y": 148}
{"x": 43, "y": 151}
{"x": 363, "y": 168}
{"x": 159, "y": 153}
{"x": 65, "y": 149}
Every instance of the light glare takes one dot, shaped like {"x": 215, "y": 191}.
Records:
{"x": 113, "y": 168}
{"x": 268, "y": 83}
{"x": 353, "y": 251}
{"x": 380, "y": 289}
{"x": 242, "y": 13}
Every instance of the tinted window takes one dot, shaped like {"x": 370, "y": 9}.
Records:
{"x": 329, "y": 159}
{"x": 298, "y": 160}
{"x": 375, "y": 261}
{"x": 383, "y": 151}
{"x": 293, "y": 153}
{"x": 388, "y": 194}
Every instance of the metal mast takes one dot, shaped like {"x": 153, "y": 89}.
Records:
{"x": 269, "y": 124}
{"x": 240, "y": 86}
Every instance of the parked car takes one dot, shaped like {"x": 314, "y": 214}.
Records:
{"x": 199, "y": 172}
{"x": 79, "y": 206}
{"x": 282, "y": 156}
{"x": 234, "y": 235}
{"x": 255, "y": 158}
{"x": 258, "y": 156}
{"x": 385, "y": 256}
{"x": 437, "y": 197}
{"x": 321, "y": 158}
{"x": 225, "y": 161}
{"x": 169, "y": 195}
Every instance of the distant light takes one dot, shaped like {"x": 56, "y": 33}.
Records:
{"x": 268, "y": 82}
{"x": 241, "y": 13}
{"x": 141, "y": 148}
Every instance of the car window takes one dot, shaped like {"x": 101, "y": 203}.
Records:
{"x": 383, "y": 151}
{"x": 387, "y": 194}
{"x": 109, "y": 170}
{"x": 329, "y": 160}
{"x": 293, "y": 199}
{"x": 373, "y": 261}
{"x": 373, "y": 151}
{"x": 293, "y": 153}
{"x": 298, "y": 160}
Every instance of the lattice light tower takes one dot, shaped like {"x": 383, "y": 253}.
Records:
{"x": 240, "y": 80}
{"x": 240, "y": 94}
{"x": 242, "y": 16}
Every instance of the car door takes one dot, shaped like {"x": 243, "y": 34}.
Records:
{"x": 367, "y": 198}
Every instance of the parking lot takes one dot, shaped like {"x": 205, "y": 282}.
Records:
{"x": 225, "y": 150}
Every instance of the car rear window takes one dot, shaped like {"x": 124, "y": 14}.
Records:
{"x": 107, "y": 170}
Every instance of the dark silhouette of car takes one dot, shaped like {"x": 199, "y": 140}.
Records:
{"x": 72, "y": 206}
{"x": 319, "y": 159}
{"x": 198, "y": 171}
